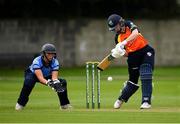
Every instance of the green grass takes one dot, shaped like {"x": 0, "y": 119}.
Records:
{"x": 43, "y": 105}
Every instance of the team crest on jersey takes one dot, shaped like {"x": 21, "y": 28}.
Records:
{"x": 149, "y": 53}
{"x": 111, "y": 23}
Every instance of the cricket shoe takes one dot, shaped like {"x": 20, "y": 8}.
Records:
{"x": 145, "y": 105}
{"x": 67, "y": 106}
{"x": 118, "y": 104}
{"x": 18, "y": 107}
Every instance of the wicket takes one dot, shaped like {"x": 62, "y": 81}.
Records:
{"x": 91, "y": 71}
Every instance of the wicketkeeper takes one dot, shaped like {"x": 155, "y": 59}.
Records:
{"x": 130, "y": 43}
{"x": 44, "y": 69}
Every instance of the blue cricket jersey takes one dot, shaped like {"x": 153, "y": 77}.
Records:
{"x": 38, "y": 63}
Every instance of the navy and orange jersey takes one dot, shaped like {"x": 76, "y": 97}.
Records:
{"x": 134, "y": 45}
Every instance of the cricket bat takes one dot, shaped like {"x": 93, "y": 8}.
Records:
{"x": 105, "y": 62}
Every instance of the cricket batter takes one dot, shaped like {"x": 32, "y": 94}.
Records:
{"x": 130, "y": 43}
{"x": 44, "y": 69}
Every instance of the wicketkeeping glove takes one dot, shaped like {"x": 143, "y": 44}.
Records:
{"x": 50, "y": 83}
{"x": 59, "y": 86}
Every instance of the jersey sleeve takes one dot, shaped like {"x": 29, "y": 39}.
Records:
{"x": 36, "y": 64}
{"x": 131, "y": 25}
{"x": 55, "y": 65}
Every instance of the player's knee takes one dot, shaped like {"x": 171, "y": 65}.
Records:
{"x": 132, "y": 86}
{"x": 63, "y": 81}
{"x": 145, "y": 71}
{"x": 129, "y": 89}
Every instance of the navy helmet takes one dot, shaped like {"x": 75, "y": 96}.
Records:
{"x": 113, "y": 20}
{"x": 48, "y": 48}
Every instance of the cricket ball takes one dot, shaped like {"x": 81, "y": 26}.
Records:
{"x": 109, "y": 78}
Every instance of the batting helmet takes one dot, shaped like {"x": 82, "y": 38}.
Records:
{"x": 113, "y": 20}
{"x": 48, "y": 48}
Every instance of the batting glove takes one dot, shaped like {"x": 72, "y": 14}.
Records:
{"x": 117, "y": 52}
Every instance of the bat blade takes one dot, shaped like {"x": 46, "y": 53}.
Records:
{"x": 105, "y": 62}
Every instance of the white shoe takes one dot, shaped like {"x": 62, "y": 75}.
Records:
{"x": 67, "y": 106}
{"x": 18, "y": 107}
{"x": 118, "y": 104}
{"x": 145, "y": 105}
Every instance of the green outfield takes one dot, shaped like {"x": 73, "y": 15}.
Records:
{"x": 43, "y": 105}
